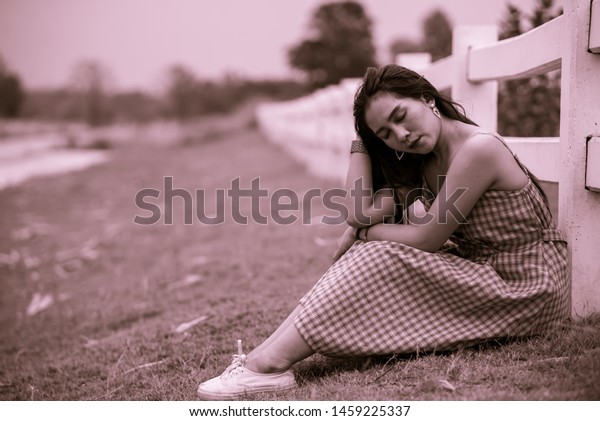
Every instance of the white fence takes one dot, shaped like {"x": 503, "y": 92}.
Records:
{"x": 318, "y": 129}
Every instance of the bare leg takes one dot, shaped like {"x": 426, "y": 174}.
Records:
{"x": 281, "y": 350}
{"x": 288, "y": 321}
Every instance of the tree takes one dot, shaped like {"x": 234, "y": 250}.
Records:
{"x": 511, "y": 24}
{"x": 90, "y": 81}
{"x": 437, "y": 35}
{"x": 182, "y": 93}
{"x": 436, "y": 38}
{"x": 11, "y": 92}
{"x": 529, "y": 107}
{"x": 542, "y": 13}
{"x": 404, "y": 45}
{"x": 136, "y": 106}
{"x": 341, "y": 45}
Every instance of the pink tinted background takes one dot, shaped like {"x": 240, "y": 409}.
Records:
{"x": 139, "y": 39}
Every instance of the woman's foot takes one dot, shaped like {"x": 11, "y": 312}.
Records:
{"x": 237, "y": 380}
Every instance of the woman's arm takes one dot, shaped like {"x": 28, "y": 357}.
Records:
{"x": 365, "y": 207}
{"x": 472, "y": 172}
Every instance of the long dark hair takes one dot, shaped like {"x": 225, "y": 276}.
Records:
{"x": 387, "y": 171}
{"x": 399, "y": 81}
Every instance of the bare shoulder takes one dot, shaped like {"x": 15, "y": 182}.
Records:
{"x": 490, "y": 154}
{"x": 485, "y": 146}
{"x": 482, "y": 150}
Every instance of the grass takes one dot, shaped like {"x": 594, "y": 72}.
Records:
{"x": 120, "y": 290}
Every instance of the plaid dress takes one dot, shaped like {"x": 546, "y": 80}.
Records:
{"x": 503, "y": 274}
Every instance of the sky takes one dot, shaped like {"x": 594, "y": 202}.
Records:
{"x": 138, "y": 40}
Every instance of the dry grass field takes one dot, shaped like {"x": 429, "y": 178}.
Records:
{"x": 95, "y": 307}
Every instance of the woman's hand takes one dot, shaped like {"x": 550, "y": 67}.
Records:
{"x": 345, "y": 242}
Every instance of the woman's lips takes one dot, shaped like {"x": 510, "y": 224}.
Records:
{"x": 414, "y": 143}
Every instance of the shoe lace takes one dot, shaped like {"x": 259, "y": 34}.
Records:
{"x": 238, "y": 362}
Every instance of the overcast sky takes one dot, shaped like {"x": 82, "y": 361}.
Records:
{"x": 139, "y": 39}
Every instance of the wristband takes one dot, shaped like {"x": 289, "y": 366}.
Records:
{"x": 366, "y": 234}
{"x": 366, "y": 231}
{"x": 357, "y": 235}
{"x": 358, "y": 146}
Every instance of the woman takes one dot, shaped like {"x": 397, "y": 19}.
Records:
{"x": 483, "y": 260}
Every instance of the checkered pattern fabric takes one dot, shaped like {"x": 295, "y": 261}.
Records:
{"x": 504, "y": 274}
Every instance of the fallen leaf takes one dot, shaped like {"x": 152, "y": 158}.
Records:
{"x": 147, "y": 365}
{"x": 188, "y": 325}
{"x": 447, "y": 385}
{"x": 10, "y": 259}
{"x": 432, "y": 384}
{"x": 31, "y": 262}
{"x": 190, "y": 279}
{"x": 39, "y": 303}
{"x": 89, "y": 253}
{"x": 90, "y": 343}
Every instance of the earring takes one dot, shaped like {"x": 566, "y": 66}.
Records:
{"x": 399, "y": 156}
{"x": 436, "y": 112}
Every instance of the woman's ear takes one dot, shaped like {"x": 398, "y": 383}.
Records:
{"x": 428, "y": 100}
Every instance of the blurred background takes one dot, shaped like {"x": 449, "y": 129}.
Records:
{"x": 112, "y": 62}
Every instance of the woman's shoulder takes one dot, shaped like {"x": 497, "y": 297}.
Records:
{"x": 485, "y": 145}
{"x": 479, "y": 160}
{"x": 495, "y": 158}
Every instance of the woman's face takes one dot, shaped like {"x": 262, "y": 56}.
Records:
{"x": 403, "y": 124}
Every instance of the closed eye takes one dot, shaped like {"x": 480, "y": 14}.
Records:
{"x": 399, "y": 118}
{"x": 395, "y": 118}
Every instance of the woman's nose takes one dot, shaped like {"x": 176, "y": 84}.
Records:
{"x": 401, "y": 133}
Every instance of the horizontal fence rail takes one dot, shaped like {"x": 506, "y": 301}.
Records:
{"x": 533, "y": 53}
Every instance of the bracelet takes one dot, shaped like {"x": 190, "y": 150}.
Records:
{"x": 357, "y": 235}
{"x": 358, "y": 146}
{"x": 366, "y": 233}
{"x": 359, "y": 230}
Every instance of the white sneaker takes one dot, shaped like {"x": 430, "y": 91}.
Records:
{"x": 237, "y": 381}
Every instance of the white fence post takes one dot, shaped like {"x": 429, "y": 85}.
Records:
{"x": 579, "y": 122}
{"x": 479, "y": 99}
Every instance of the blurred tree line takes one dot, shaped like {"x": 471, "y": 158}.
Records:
{"x": 89, "y": 96}
{"x": 339, "y": 45}
{"x": 188, "y": 96}
{"x": 11, "y": 92}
